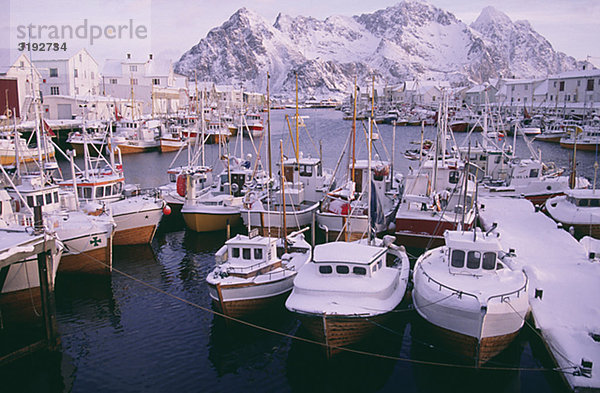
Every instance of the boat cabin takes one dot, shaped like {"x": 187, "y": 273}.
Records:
{"x": 243, "y": 252}
{"x": 583, "y": 198}
{"x": 348, "y": 259}
{"x": 472, "y": 253}
{"x": 37, "y": 194}
{"x": 306, "y": 174}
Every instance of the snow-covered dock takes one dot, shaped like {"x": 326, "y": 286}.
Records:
{"x": 564, "y": 287}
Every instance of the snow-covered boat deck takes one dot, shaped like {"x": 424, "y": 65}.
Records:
{"x": 567, "y": 312}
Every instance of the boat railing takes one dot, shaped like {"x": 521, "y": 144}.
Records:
{"x": 458, "y": 292}
{"x": 250, "y": 268}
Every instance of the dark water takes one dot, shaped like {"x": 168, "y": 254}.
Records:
{"x": 151, "y": 330}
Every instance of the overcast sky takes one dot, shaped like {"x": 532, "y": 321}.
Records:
{"x": 172, "y": 26}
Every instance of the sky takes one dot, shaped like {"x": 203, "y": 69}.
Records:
{"x": 167, "y": 28}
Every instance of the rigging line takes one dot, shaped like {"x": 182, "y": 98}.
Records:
{"x": 307, "y": 340}
{"x": 542, "y": 337}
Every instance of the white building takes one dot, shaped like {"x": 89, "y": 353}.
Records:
{"x": 479, "y": 95}
{"x": 68, "y": 73}
{"x": 16, "y": 66}
{"x": 91, "y": 107}
{"x": 579, "y": 91}
{"x": 517, "y": 93}
{"x": 148, "y": 80}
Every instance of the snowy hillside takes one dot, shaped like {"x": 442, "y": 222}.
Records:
{"x": 412, "y": 39}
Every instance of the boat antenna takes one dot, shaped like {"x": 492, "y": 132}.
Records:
{"x": 297, "y": 119}
{"x": 354, "y": 128}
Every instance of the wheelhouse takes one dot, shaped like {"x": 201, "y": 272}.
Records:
{"x": 472, "y": 253}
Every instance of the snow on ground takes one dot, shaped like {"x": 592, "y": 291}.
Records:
{"x": 567, "y": 314}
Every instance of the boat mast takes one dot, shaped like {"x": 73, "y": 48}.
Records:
{"x": 354, "y": 130}
{"x": 269, "y": 126}
{"x": 283, "y": 197}
{"x": 573, "y": 177}
{"x": 132, "y": 102}
{"x": 297, "y": 119}
{"x": 370, "y": 148}
{"x": 17, "y": 153}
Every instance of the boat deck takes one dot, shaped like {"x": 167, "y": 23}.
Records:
{"x": 566, "y": 312}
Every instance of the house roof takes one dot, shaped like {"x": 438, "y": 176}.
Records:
{"x": 577, "y": 74}
{"x": 60, "y": 55}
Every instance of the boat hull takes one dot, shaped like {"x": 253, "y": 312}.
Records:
{"x": 580, "y": 146}
{"x": 272, "y": 220}
{"x": 80, "y": 258}
{"x": 237, "y": 300}
{"x": 167, "y": 145}
{"x": 136, "y": 228}
{"x": 208, "y": 222}
{"x": 423, "y": 233}
{"x": 133, "y": 149}
{"x": 340, "y": 331}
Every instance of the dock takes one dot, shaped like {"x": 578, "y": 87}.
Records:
{"x": 564, "y": 286}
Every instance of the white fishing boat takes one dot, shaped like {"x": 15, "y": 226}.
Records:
{"x": 13, "y": 148}
{"x": 254, "y": 124}
{"x": 577, "y": 211}
{"x": 250, "y": 275}
{"x": 137, "y": 136}
{"x": 586, "y": 138}
{"x": 101, "y": 186}
{"x": 473, "y": 296}
{"x": 348, "y": 289}
{"x": 20, "y": 284}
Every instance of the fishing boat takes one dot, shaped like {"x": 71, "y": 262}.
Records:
{"x": 471, "y": 293}
{"x": 94, "y": 135}
{"x": 586, "y": 138}
{"x": 14, "y": 148}
{"x": 254, "y": 124}
{"x": 20, "y": 285}
{"x": 343, "y": 212}
{"x": 172, "y": 139}
{"x": 87, "y": 238}
{"x": 212, "y": 208}
{"x": 348, "y": 289}
{"x": 291, "y": 207}
{"x": 578, "y": 211}
{"x": 249, "y": 274}
{"x": 137, "y": 136}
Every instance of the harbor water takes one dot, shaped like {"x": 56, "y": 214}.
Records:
{"x": 150, "y": 326}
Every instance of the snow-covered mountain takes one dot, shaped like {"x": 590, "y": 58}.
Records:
{"x": 412, "y": 39}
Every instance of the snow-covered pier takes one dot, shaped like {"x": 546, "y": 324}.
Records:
{"x": 564, "y": 286}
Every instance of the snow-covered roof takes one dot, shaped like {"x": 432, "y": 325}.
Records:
{"x": 583, "y": 193}
{"x": 478, "y": 88}
{"x": 467, "y": 240}
{"x": 157, "y": 67}
{"x": 242, "y": 240}
{"x": 60, "y": 55}
{"x": 577, "y": 74}
{"x": 346, "y": 252}
{"x": 112, "y": 68}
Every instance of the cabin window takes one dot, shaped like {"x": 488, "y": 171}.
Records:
{"x": 172, "y": 177}
{"x": 325, "y": 269}
{"x": 342, "y": 269}
{"x": 594, "y": 202}
{"x": 39, "y": 200}
{"x": 55, "y": 196}
{"x": 107, "y": 190}
{"x": 235, "y": 252}
{"x": 453, "y": 177}
{"x": 361, "y": 271}
{"x": 489, "y": 261}
{"x": 306, "y": 170}
{"x": 583, "y": 202}
{"x": 117, "y": 188}
{"x": 497, "y": 160}
{"x": 319, "y": 170}
{"x": 48, "y": 198}
{"x": 29, "y": 201}
{"x": 379, "y": 263}
{"x": 258, "y": 253}
{"x": 87, "y": 192}
{"x": 246, "y": 253}
{"x": 99, "y": 192}
{"x": 458, "y": 258}
{"x": 533, "y": 173}
{"x": 473, "y": 259}
{"x": 288, "y": 172}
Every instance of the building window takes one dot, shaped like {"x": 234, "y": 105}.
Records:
{"x": 551, "y": 97}
{"x": 113, "y": 81}
{"x": 562, "y": 86}
{"x": 590, "y": 85}
{"x": 156, "y": 81}
{"x": 53, "y": 72}
{"x": 525, "y": 100}
{"x": 80, "y": 58}
{"x": 512, "y": 88}
{"x": 22, "y": 65}
{"x": 526, "y": 87}
{"x": 134, "y": 81}
{"x": 554, "y": 83}
{"x": 92, "y": 76}
{"x": 578, "y": 83}
{"x": 54, "y": 91}
{"x": 133, "y": 68}
{"x": 75, "y": 72}
{"x": 77, "y": 90}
